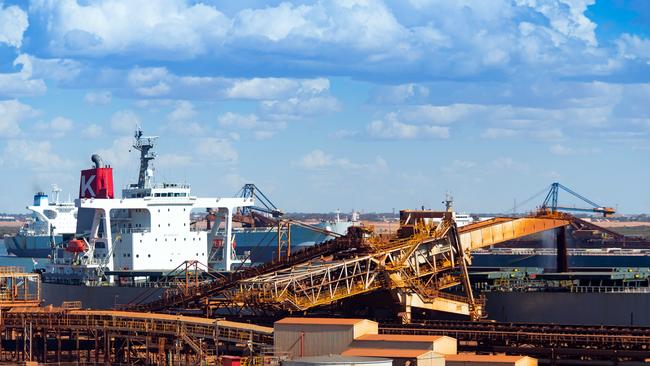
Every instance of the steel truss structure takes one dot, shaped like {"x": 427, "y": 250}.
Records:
{"x": 415, "y": 270}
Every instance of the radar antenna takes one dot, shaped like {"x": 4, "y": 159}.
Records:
{"x": 145, "y": 145}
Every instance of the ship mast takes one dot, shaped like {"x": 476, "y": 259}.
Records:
{"x": 145, "y": 145}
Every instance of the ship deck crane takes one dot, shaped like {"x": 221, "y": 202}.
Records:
{"x": 550, "y": 202}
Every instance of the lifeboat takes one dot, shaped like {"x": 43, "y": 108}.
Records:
{"x": 76, "y": 246}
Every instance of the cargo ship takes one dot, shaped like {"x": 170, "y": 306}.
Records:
{"x": 124, "y": 246}
{"x": 51, "y": 224}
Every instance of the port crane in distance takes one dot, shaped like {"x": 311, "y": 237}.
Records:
{"x": 550, "y": 202}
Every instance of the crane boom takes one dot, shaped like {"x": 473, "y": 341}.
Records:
{"x": 550, "y": 202}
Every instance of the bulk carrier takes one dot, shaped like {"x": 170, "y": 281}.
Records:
{"x": 124, "y": 246}
{"x": 51, "y": 223}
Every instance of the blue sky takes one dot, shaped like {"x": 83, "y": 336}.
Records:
{"x": 326, "y": 105}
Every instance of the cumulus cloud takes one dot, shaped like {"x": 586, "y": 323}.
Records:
{"x": 563, "y": 150}
{"x": 181, "y": 120}
{"x": 98, "y": 98}
{"x": 57, "y": 127}
{"x": 243, "y": 121}
{"x": 499, "y": 133}
{"x": 158, "y": 82}
{"x": 12, "y": 114}
{"x": 216, "y": 150}
{"x": 297, "y": 107}
{"x": 399, "y": 94}
{"x": 124, "y": 121}
{"x": 13, "y": 23}
{"x": 319, "y": 160}
{"x": 21, "y": 83}
{"x": 38, "y": 156}
{"x": 171, "y": 28}
{"x": 393, "y": 129}
{"x": 262, "y": 130}
{"x": 92, "y": 131}
{"x": 373, "y": 37}
{"x": 118, "y": 154}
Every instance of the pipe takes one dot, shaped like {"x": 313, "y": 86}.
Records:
{"x": 97, "y": 160}
{"x": 302, "y": 344}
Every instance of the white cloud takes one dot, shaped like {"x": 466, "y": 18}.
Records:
{"x": 57, "y": 127}
{"x": 563, "y": 150}
{"x": 439, "y": 115}
{"x": 174, "y": 160}
{"x": 498, "y": 133}
{"x": 558, "y": 149}
{"x": 338, "y": 34}
{"x": 235, "y": 181}
{"x": 181, "y": 120}
{"x": 315, "y": 159}
{"x": 275, "y": 88}
{"x": 235, "y": 120}
{"x": 171, "y": 28}
{"x": 158, "y": 82}
{"x": 262, "y": 130}
{"x": 318, "y": 160}
{"x": 393, "y": 129}
{"x": 21, "y": 83}
{"x": 297, "y": 107}
{"x": 362, "y": 25}
{"x": 263, "y": 135}
{"x": 92, "y": 131}
{"x": 118, "y": 155}
{"x": 59, "y": 69}
{"x": 216, "y": 150}
{"x": 35, "y": 155}
{"x": 399, "y": 94}
{"x": 508, "y": 163}
{"x": 12, "y": 113}
{"x": 98, "y": 98}
{"x": 13, "y": 23}
{"x": 124, "y": 121}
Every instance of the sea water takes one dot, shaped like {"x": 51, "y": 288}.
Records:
{"x": 28, "y": 264}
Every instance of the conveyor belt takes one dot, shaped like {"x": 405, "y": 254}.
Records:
{"x": 539, "y": 340}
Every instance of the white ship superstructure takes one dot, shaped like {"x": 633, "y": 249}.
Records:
{"x": 50, "y": 223}
{"x": 51, "y": 218}
{"x": 147, "y": 230}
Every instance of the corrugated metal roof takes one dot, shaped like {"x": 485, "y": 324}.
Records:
{"x": 320, "y": 321}
{"x": 387, "y": 352}
{"x": 470, "y": 357}
{"x": 400, "y": 337}
{"x": 338, "y": 359}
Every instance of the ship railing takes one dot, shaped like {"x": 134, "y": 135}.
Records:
{"x": 12, "y": 269}
{"x": 610, "y": 289}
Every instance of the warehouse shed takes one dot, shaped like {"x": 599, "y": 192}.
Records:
{"x": 302, "y": 337}
{"x": 465, "y": 359}
{"x": 439, "y": 344}
{"x": 338, "y": 360}
{"x": 401, "y": 357}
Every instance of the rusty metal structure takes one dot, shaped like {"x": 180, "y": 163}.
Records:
{"x": 49, "y": 334}
{"x": 553, "y": 342}
{"x": 427, "y": 258}
{"x": 18, "y": 288}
